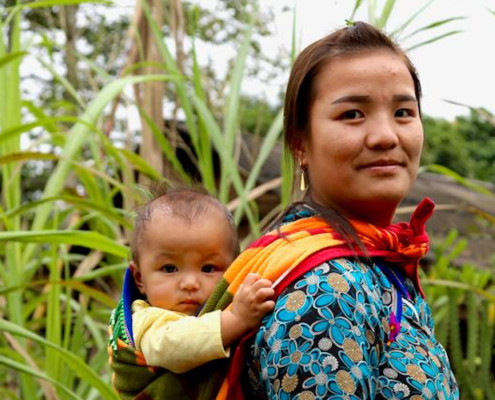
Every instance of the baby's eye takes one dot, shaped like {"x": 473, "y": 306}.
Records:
{"x": 352, "y": 114}
{"x": 404, "y": 113}
{"x": 208, "y": 268}
{"x": 169, "y": 268}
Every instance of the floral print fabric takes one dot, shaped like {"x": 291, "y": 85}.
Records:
{"x": 329, "y": 338}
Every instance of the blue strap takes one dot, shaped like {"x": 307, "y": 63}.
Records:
{"x": 397, "y": 279}
{"x": 130, "y": 293}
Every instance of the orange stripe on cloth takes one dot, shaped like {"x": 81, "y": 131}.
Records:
{"x": 280, "y": 255}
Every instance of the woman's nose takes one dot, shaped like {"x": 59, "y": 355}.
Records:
{"x": 382, "y": 134}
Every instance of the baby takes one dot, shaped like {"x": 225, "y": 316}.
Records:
{"x": 184, "y": 240}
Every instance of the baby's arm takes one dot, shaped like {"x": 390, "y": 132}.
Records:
{"x": 250, "y": 304}
{"x": 180, "y": 343}
{"x": 177, "y": 342}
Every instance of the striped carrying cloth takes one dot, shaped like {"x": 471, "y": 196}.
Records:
{"x": 282, "y": 256}
{"x": 287, "y": 253}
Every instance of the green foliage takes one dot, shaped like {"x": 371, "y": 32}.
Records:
{"x": 462, "y": 299}
{"x": 72, "y": 227}
{"x": 466, "y": 145}
{"x": 479, "y": 135}
{"x": 380, "y": 16}
{"x": 256, "y": 115}
{"x": 444, "y": 145}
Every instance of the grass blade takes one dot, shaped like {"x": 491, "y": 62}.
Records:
{"x": 36, "y": 374}
{"x": 84, "y": 371}
{"x": 386, "y": 12}
{"x": 435, "y": 39}
{"x": 91, "y": 240}
{"x": 11, "y": 57}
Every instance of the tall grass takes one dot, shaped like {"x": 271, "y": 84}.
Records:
{"x": 60, "y": 254}
{"x": 463, "y": 304}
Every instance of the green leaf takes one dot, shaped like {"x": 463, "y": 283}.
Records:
{"x": 11, "y": 57}
{"x": 217, "y": 139}
{"x": 64, "y": 81}
{"x": 26, "y": 156}
{"x": 58, "y": 3}
{"x": 76, "y": 284}
{"x": 372, "y": 14}
{"x": 265, "y": 152}
{"x": 47, "y": 123}
{"x": 386, "y": 12}
{"x": 232, "y": 110}
{"x": 84, "y": 371}
{"x": 433, "y": 25}
{"x": 140, "y": 164}
{"x": 440, "y": 169}
{"x": 463, "y": 286}
{"x": 37, "y": 374}
{"x": 91, "y": 240}
{"x": 435, "y": 39}
{"x": 166, "y": 147}
{"x": 112, "y": 213}
{"x": 357, "y": 4}
{"x": 401, "y": 28}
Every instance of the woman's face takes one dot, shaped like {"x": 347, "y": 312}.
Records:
{"x": 365, "y": 136}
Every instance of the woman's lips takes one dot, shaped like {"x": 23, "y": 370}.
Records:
{"x": 382, "y": 166}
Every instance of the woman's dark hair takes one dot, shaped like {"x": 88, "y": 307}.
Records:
{"x": 300, "y": 95}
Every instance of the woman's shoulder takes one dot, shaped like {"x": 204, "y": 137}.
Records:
{"x": 346, "y": 274}
{"x": 342, "y": 284}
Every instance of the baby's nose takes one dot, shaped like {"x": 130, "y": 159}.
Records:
{"x": 190, "y": 282}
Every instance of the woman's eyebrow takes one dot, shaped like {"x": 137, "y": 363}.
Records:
{"x": 404, "y": 97}
{"x": 367, "y": 99}
{"x": 353, "y": 99}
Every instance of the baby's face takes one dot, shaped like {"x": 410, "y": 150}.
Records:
{"x": 180, "y": 263}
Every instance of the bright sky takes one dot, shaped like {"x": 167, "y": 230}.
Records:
{"x": 459, "y": 68}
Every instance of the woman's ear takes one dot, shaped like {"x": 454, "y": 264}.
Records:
{"x": 138, "y": 279}
{"x": 300, "y": 152}
{"x": 301, "y": 156}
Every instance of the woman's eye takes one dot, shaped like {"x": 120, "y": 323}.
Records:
{"x": 169, "y": 269}
{"x": 352, "y": 114}
{"x": 403, "y": 113}
{"x": 208, "y": 268}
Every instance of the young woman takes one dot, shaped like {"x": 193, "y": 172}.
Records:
{"x": 352, "y": 325}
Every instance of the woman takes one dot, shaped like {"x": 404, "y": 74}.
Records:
{"x": 353, "y": 327}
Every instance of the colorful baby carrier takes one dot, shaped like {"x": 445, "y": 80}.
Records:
{"x": 282, "y": 255}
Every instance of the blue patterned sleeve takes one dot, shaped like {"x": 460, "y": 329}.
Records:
{"x": 324, "y": 338}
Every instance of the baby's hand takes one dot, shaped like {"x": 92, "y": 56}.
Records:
{"x": 253, "y": 300}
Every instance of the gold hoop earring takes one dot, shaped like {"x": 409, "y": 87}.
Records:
{"x": 303, "y": 186}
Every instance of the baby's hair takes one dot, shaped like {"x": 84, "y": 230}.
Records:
{"x": 186, "y": 202}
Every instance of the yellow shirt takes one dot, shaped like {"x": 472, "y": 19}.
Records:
{"x": 176, "y": 341}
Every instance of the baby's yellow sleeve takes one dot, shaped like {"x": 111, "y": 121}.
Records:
{"x": 176, "y": 341}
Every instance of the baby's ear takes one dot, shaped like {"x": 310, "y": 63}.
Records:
{"x": 136, "y": 274}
